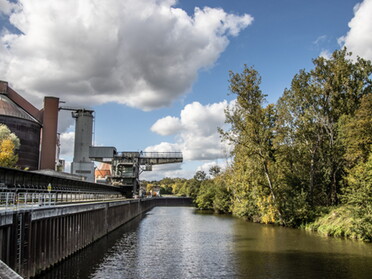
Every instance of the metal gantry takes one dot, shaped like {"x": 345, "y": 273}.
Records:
{"x": 127, "y": 166}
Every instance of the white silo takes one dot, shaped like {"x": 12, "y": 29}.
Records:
{"x": 81, "y": 164}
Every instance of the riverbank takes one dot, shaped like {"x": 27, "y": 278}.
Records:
{"x": 343, "y": 221}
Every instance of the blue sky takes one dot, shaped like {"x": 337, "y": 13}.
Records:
{"x": 156, "y": 72}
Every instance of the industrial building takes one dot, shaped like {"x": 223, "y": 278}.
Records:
{"x": 37, "y": 132}
{"x": 36, "y": 129}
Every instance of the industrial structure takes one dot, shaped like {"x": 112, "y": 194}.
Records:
{"x": 39, "y": 226}
{"x": 127, "y": 166}
{"x": 82, "y": 164}
{"x": 36, "y": 129}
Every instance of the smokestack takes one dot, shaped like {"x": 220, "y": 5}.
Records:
{"x": 49, "y": 133}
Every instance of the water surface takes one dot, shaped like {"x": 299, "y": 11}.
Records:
{"x": 178, "y": 242}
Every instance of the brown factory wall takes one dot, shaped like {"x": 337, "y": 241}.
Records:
{"x": 33, "y": 240}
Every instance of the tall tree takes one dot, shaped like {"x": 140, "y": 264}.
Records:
{"x": 252, "y": 131}
{"x": 310, "y": 112}
{"x": 356, "y": 135}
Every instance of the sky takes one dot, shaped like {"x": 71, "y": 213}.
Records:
{"x": 156, "y": 71}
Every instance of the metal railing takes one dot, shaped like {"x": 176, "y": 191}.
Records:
{"x": 142, "y": 154}
{"x": 10, "y": 201}
{"x": 161, "y": 155}
{"x": 20, "y": 189}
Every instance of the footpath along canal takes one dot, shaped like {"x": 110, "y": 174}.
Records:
{"x": 180, "y": 242}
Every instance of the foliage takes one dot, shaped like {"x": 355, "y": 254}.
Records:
{"x": 222, "y": 199}
{"x": 252, "y": 132}
{"x": 357, "y": 192}
{"x": 343, "y": 222}
{"x": 214, "y": 194}
{"x": 267, "y": 209}
{"x": 9, "y": 142}
{"x": 310, "y": 113}
{"x": 214, "y": 170}
{"x": 166, "y": 190}
{"x": 295, "y": 160}
{"x": 339, "y": 222}
{"x": 356, "y": 132}
{"x": 200, "y": 176}
{"x": 205, "y": 197}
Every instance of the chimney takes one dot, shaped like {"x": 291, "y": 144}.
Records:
{"x": 49, "y": 133}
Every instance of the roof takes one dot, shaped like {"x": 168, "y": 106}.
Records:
{"x": 9, "y": 108}
{"x": 103, "y": 170}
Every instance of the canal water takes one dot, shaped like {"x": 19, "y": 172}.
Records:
{"x": 179, "y": 242}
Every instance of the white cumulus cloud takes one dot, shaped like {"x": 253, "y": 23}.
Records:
{"x": 359, "y": 38}
{"x": 164, "y": 147}
{"x": 7, "y": 7}
{"x": 195, "y": 131}
{"x": 67, "y": 144}
{"x": 142, "y": 53}
{"x": 167, "y": 126}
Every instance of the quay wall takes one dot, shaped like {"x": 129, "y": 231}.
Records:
{"x": 34, "y": 239}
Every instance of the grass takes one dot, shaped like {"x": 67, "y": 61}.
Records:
{"x": 339, "y": 222}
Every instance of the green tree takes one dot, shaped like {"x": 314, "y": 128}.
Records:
{"x": 252, "y": 131}
{"x": 206, "y": 195}
{"x": 356, "y": 135}
{"x": 222, "y": 201}
{"x": 200, "y": 176}
{"x": 214, "y": 170}
{"x": 309, "y": 114}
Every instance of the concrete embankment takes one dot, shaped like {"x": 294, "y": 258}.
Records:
{"x": 32, "y": 240}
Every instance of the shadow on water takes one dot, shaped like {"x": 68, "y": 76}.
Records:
{"x": 267, "y": 251}
{"x": 84, "y": 262}
{"x": 299, "y": 264}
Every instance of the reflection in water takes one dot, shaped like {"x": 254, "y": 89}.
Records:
{"x": 176, "y": 242}
{"x": 266, "y": 251}
{"x": 173, "y": 243}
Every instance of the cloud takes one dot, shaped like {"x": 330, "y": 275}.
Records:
{"x": 172, "y": 170}
{"x": 320, "y": 40}
{"x": 142, "y": 53}
{"x": 164, "y": 147}
{"x": 67, "y": 144}
{"x": 195, "y": 131}
{"x": 167, "y": 126}
{"x": 325, "y": 54}
{"x": 7, "y": 7}
{"x": 359, "y": 38}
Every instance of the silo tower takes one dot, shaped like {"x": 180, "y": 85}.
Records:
{"x": 81, "y": 164}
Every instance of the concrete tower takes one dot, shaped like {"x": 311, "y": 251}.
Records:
{"x": 81, "y": 164}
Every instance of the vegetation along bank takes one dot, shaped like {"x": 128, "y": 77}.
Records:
{"x": 305, "y": 161}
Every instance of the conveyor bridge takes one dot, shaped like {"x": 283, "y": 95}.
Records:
{"x": 128, "y": 165}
